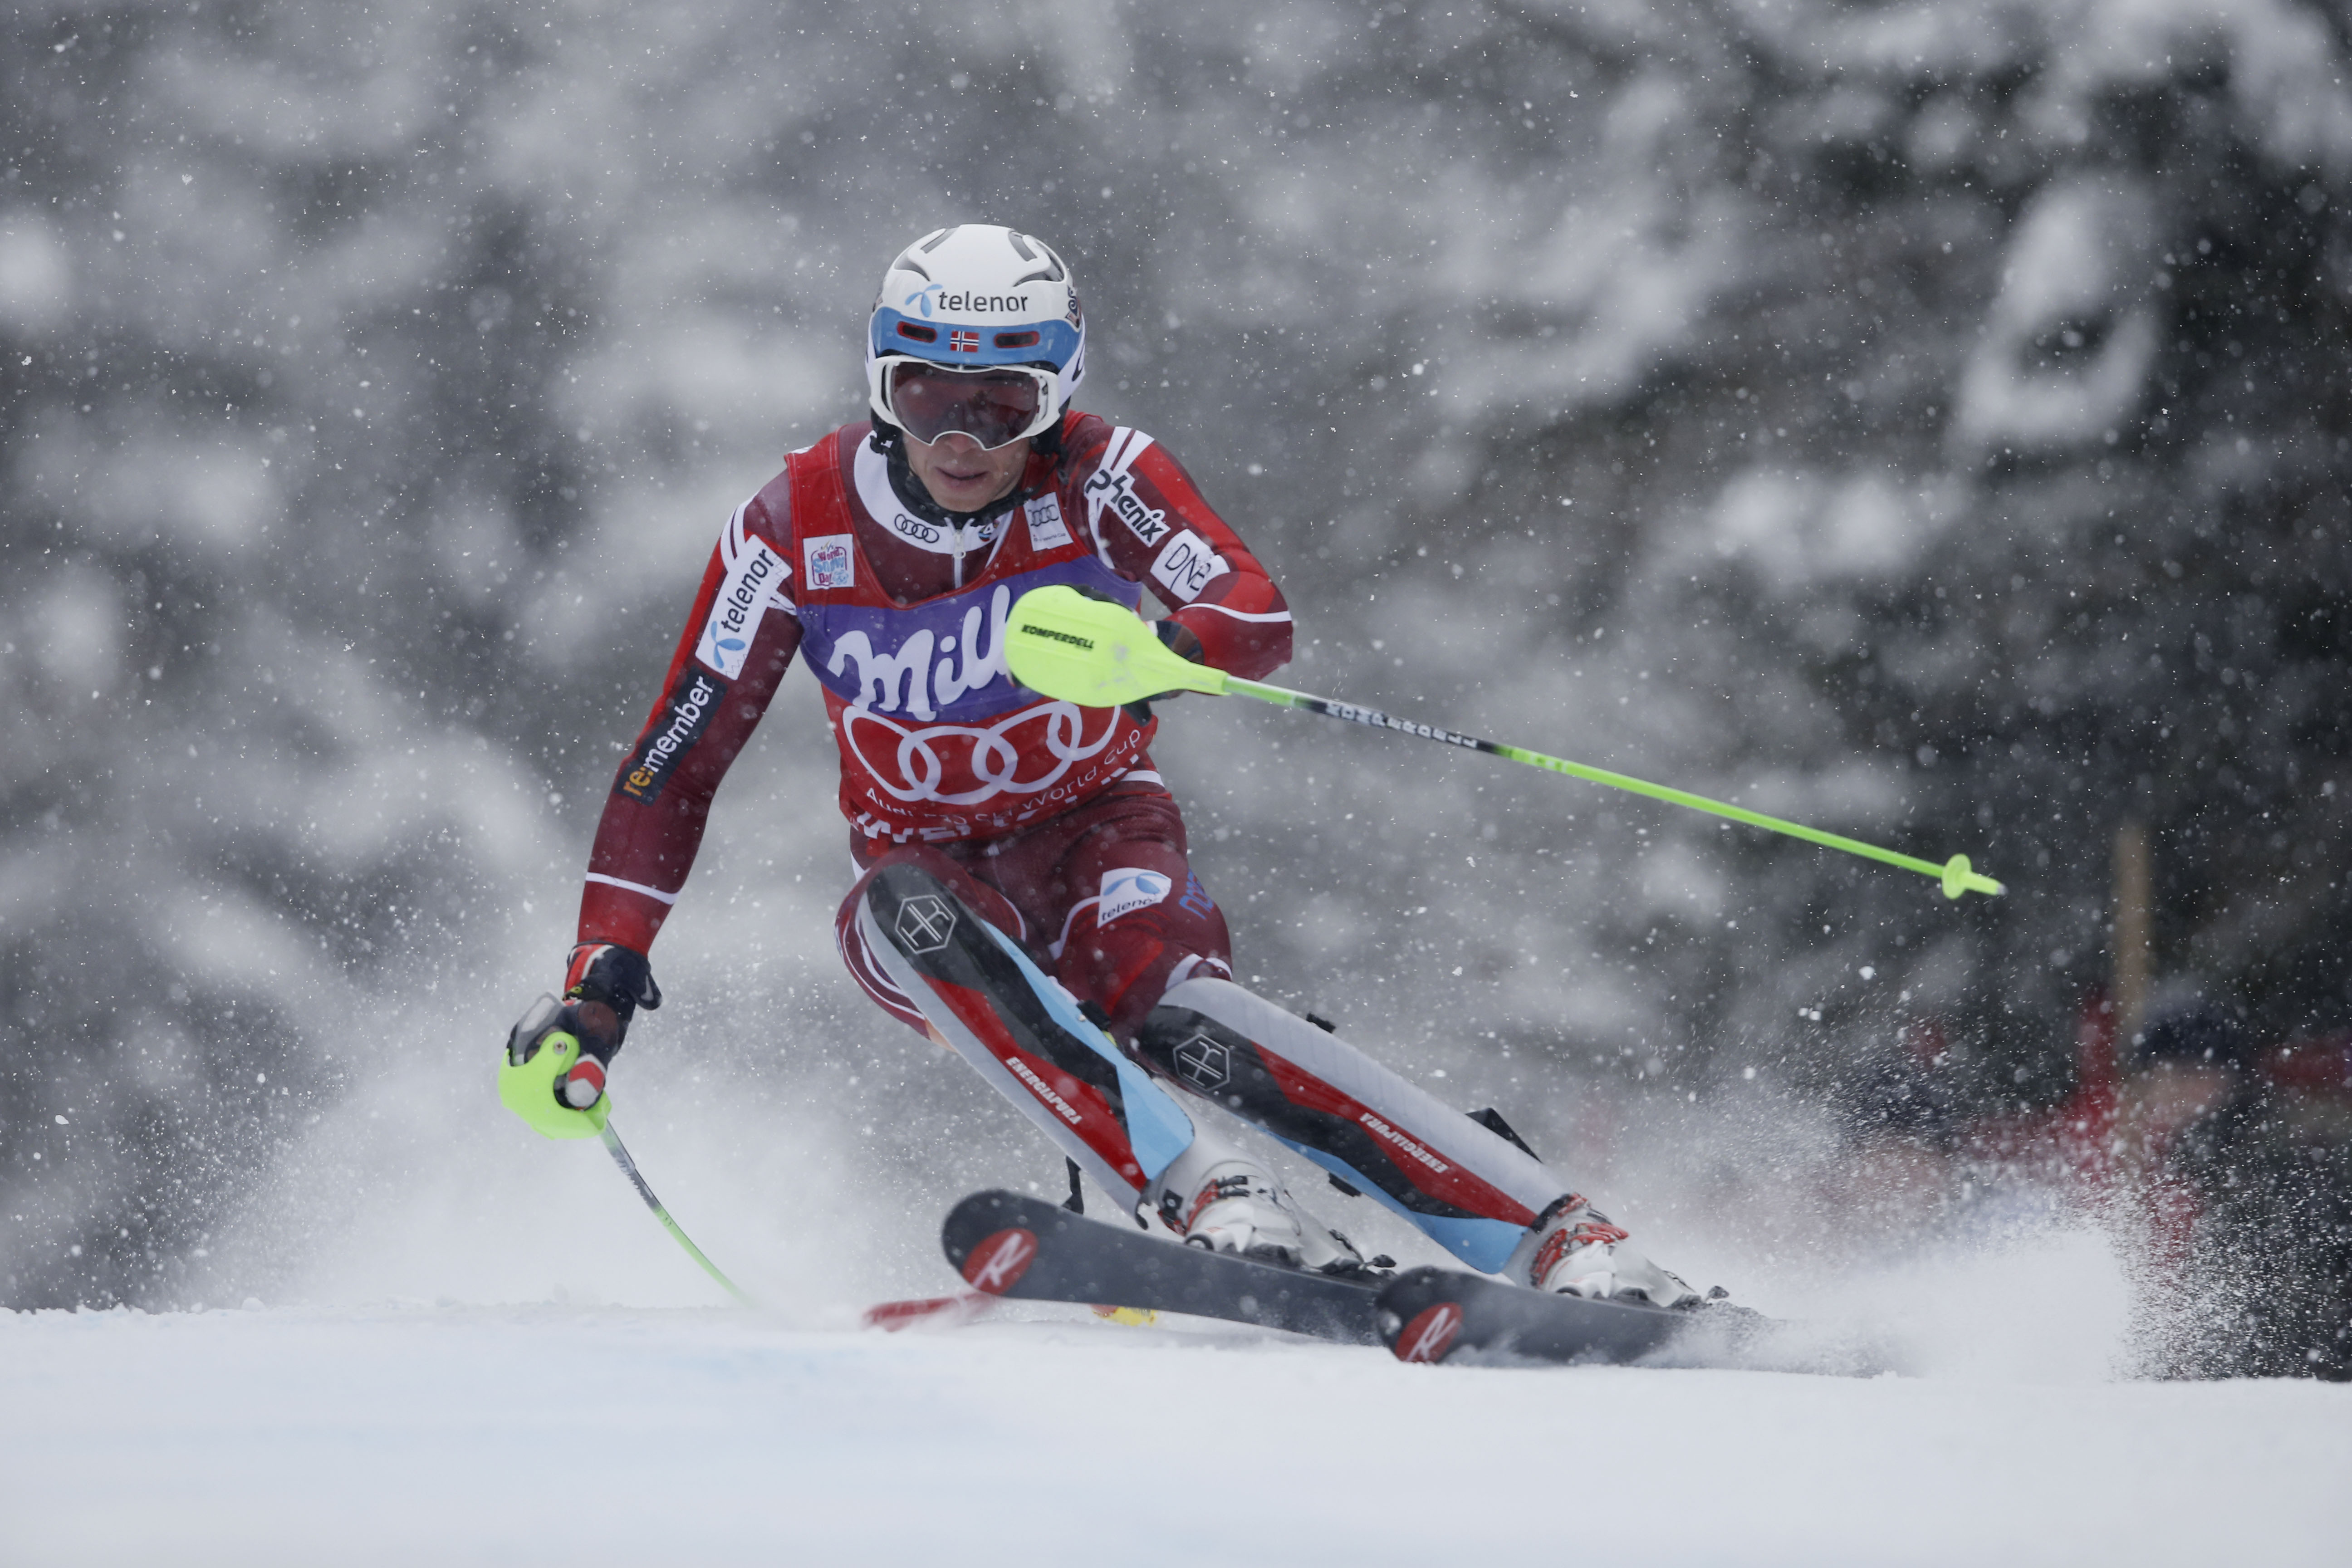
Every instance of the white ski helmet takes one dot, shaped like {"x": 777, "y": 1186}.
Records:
{"x": 995, "y": 310}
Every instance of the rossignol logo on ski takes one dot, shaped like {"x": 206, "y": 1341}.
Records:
{"x": 691, "y": 704}
{"x": 1429, "y": 1334}
{"x": 997, "y": 1264}
{"x": 925, "y": 923}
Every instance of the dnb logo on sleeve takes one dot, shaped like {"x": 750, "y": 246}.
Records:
{"x": 1128, "y": 889}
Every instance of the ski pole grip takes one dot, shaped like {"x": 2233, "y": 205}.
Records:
{"x": 528, "y": 1089}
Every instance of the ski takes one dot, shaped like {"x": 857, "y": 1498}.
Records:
{"x": 1004, "y": 1244}
{"x": 970, "y": 1307}
{"x": 930, "y": 1312}
{"x": 1445, "y": 1315}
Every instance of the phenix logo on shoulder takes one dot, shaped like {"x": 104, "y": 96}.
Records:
{"x": 1114, "y": 489}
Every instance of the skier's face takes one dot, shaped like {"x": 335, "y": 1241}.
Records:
{"x": 960, "y": 475}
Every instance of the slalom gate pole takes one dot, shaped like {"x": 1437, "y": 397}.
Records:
{"x": 1098, "y": 654}
{"x": 614, "y": 1147}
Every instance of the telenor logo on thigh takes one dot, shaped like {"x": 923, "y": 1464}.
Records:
{"x": 1128, "y": 889}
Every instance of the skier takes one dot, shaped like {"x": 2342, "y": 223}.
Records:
{"x": 1023, "y": 895}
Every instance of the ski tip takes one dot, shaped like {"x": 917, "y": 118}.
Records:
{"x": 999, "y": 1261}
{"x": 1132, "y": 1317}
{"x": 938, "y": 1310}
{"x": 1429, "y": 1335}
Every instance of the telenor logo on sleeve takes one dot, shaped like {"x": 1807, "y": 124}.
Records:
{"x": 750, "y": 587}
{"x": 692, "y": 702}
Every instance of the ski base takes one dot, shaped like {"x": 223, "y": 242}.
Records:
{"x": 970, "y": 1307}
{"x": 931, "y": 1311}
{"x": 1445, "y": 1315}
{"x": 1006, "y": 1243}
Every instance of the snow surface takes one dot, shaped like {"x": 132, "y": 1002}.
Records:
{"x": 459, "y": 1434}
{"x": 479, "y": 1348}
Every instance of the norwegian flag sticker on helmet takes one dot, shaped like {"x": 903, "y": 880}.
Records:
{"x": 964, "y": 342}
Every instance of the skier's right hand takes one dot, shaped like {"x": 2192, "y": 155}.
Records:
{"x": 604, "y": 986}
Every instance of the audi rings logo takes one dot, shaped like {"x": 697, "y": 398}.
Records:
{"x": 1203, "y": 1063}
{"x": 929, "y": 762}
{"x": 924, "y": 923}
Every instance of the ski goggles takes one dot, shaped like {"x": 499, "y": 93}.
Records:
{"x": 995, "y": 407}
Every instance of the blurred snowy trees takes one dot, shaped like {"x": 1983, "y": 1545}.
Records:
{"x": 1926, "y": 420}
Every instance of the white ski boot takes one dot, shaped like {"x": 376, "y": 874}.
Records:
{"x": 1222, "y": 1200}
{"x": 1573, "y": 1250}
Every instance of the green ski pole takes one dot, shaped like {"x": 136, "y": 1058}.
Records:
{"x": 527, "y": 1088}
{"x": 615, "y": 1148}
{"x": 1096, "y": 654}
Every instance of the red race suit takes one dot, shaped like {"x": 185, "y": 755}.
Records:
{"x": 1040, "y": 806}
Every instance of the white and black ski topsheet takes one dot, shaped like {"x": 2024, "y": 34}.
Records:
{"x": 1010, "y": 1245}
{"x": 1443, "y": 1314}
{"x": 1006, "y": 1243}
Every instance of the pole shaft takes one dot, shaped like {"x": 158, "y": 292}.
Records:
{"x": 1282, "y": 697}
{"x": 614, "y": 1147}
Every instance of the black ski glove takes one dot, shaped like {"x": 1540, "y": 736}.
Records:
{"x": 1179, "y": 638}
{"x": 1184, "y": 644}
{"x": 603, "y": 988}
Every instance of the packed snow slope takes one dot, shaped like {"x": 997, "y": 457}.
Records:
{"x": 581, "y": 1435}
{"x": 502, "y": 1435}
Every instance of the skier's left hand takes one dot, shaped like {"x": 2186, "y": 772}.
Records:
{"x": 1180, "y": 640}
